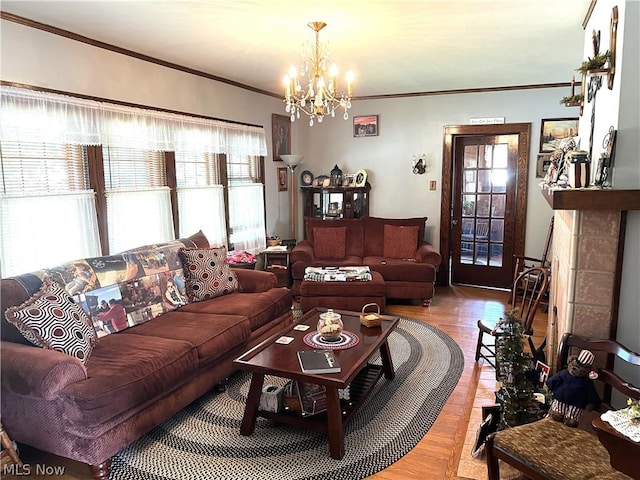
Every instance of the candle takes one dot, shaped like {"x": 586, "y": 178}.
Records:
{"x": 349, "y": 86}
{"x": 287, "y": 87}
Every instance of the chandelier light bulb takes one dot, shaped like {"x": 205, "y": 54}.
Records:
{"x": 323, "y": 94}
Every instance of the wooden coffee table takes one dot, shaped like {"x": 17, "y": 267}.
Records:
{"x": 270, "y": 358}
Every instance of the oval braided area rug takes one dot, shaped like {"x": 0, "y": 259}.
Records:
{"x": 202, "y": 442}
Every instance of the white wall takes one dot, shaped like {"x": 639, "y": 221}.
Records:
{"x": 627, "y": 174}
{"x": 620, "y": 107}
{"x": 413, "y": 126}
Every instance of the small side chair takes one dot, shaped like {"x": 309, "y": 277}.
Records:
{"x": 535, "y": 282}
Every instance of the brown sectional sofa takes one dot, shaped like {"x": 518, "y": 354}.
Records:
{"x": 135, "y": 378}
{"x": 408, "y": 269}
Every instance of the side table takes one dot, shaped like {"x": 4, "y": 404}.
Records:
{"x": 277, "y": 261}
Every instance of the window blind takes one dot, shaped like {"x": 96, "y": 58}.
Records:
{"x": 44, "y": 190}
{"x": 200, "y": 196}
{"x": 35, "y": 167}
{"x": 138, "y": 202}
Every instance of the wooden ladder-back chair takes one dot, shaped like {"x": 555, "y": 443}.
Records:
{"x": 549, "y": 450}
{"x": 522, "y": 262}
{"x": 527, "y": 302}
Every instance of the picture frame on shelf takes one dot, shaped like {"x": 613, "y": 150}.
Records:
{"x": 306, "y": 178}
{"x": 365, "y": 126}
{"x": 283, "y": 179}
{"x": 280, "y": 136}
{"x": 349, "y": 180}
{"x": 554, "y": 130}
{"x": 543, "y": 164}
{"x": 360, "y": 178}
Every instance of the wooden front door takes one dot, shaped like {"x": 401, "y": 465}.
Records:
{"x": 484, "y": 218}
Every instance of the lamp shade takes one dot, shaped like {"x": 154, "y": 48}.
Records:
{"x": 292, "y": 160}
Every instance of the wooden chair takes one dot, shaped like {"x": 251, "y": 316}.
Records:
{"x": 527, "y": 302}
{"x": 522, "y": 262}
{"x": 549, "y": 450}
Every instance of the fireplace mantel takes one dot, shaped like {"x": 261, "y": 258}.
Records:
{"x": 587, "y": 252}
{"x": 592, "y": 198}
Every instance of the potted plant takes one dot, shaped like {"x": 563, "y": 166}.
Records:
{"x": 572, "y": 100}
{"x": 467, "y": 207}
{"x": 594, "y": 63}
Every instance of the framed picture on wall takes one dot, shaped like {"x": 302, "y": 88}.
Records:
{"x": 554, "y": 130}
{"x": 544, "y": 161}
{"x": 280, "y": 136}
{"x": 365, "y": 126}
{"x": 283, "y": 179}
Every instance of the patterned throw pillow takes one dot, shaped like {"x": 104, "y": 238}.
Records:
{"x": 207, "y": 274}
{"x": 50, "y": 319}
{"x": 400, "y": 241}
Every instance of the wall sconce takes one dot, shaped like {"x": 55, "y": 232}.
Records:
{"x": 419, "y": 164}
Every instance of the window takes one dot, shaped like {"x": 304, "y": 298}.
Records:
{"x": 200, "y": 196}
{"x": 136, "y": 178}
{"x": 85, "y": 178}
{"x": 47, "y": 212}
{"x": 246, "y": 203}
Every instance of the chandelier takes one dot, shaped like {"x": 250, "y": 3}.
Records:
{"x": 321, "y": 96}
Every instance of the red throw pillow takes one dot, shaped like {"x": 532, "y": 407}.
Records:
{"x": 329, "y": 242}
{"x": 400, "y": 241}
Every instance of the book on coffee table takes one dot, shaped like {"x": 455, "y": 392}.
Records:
{"x": 318, "y": 361}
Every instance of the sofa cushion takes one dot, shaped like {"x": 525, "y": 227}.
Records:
{"x": 212, "y": 335}
{"x": 354, "y": 233}
{"x": 50, "y": 319}
{"x": 329, "y": 242}
{"x": 374, "y": 232}
{"x": 125, "y": 375}
{"x": 207, "y": 274}
{"x": 397, "y": 270}
{"x": 400, "y": 241}
{"x": 259, "y": 308}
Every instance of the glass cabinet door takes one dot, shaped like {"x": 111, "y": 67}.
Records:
{"x": 336, "y": 202}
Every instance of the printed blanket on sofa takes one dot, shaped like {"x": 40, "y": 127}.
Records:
{"x": 126, "y": 289}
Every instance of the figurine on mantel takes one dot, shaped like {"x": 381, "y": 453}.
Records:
{"x": 558, "y": 171}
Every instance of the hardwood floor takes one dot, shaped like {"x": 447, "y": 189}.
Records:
{"x": 454, "y": 310}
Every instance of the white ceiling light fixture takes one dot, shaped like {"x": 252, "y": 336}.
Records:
{"x": 322, "y": 96}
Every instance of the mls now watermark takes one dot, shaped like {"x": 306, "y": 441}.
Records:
{"x": 33, "y": 469}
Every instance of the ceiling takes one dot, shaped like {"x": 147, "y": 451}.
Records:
{"x": 393, "y": 47}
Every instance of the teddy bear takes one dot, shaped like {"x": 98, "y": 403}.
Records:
{"x": 573, "y": 389}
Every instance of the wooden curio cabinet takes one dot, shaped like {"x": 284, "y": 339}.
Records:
{"x": 336, "y": 202}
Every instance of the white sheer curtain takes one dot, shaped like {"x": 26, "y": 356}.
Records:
{"x": 143, "y": 218}
{"x": 246, "y": 217}
{"x": 44, "y": 230}
{"x": 28, "y": 115}
{"x": 203, "y": 210}
{"x": 245, "y": 141}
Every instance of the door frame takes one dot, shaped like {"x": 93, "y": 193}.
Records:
{"x": 451, "y": 132}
